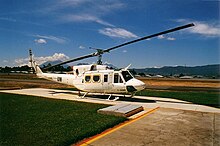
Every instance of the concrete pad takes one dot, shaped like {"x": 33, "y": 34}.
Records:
{"x": 163, "y": 99}
{"x": 180, "y": 123}
{"x": 178, "y": 104}
{"x": 73, "y": 95}
{"x": 123, "y": 110}
{"x": 167, "y": 127}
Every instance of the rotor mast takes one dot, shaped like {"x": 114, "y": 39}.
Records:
{"x": 98, "y": 53}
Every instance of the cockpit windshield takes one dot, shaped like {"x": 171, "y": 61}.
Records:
{"x": 126, "y": 75}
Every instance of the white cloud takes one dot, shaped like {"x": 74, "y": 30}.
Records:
{"x": 98, "y": 7}
{"x": 171, "y": 38}
{"x": 85, "y": 18}
{"x": 167, "y": 38}
{"x": 40, "y": 60}
{"x": 160, "y": 37}
{"x": 203, "y": 28}
{"x": 117, "y": 32}
{"x": 71, "y": 3}
{"x": 8, "y": 19}
{"x": 40, "y": 41}
{"x": 124, "y": 51}
{"x": 60, "y": 40}
{"x": 87, "y": 10}
{"x": 65, "y": 4}
{"x": 82, "y": 47}
{"x": 156, "y": 67}
{"x": 109, "y": 6}
{"x": 5, "y": 61}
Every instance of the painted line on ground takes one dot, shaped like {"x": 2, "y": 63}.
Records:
{"x": 88, "y": 141}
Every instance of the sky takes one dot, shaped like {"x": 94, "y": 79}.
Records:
{"x": 65, "y": 29}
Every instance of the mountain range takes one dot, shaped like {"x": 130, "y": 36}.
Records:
{"x": 206, "y": 70}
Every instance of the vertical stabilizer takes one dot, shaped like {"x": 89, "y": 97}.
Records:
{"x": 36, "y": 68}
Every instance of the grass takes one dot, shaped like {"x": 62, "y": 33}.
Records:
{"x": 204, "y": 98}
{"x": 19, "y": 76}
{"x": 30, "y": 120}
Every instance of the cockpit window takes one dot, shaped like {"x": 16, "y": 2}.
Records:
{"x": 126, "y": 75}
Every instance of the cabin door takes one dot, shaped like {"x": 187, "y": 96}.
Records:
{"x": 117, "y": 82}
{"x": 106, "y": 82}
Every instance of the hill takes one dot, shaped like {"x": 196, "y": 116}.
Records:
{"x": 206, "y": 70}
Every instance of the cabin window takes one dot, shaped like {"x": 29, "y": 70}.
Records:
{"x": 77, "y": 72}
{"x": 59, "y": 79}
{"x": 96, "y": 78}
{"x": 105, "y": 78}
{"x": 117, "y": 78}
{"x": 93, "y": 67}
{"x": 87, "y": 78}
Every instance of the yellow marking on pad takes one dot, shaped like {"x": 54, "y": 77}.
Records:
{"x": 108, "y": 131}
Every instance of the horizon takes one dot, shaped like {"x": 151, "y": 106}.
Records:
{"x": 85, "y": 63}
{"x": 65, "y": 29}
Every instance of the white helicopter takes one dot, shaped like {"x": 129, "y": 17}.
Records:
{"x": 98, "y": 78}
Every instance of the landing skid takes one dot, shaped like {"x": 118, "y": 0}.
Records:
{"x": 86, "y": 93}
{"x": 83, "y": 95}
{"x": 132, "y": 94}
{"x": 129, "y": 95}
{"x": 116, "y": 98}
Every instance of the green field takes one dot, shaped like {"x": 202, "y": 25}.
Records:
{"x": 204, "y": 98}
{"x": 30, "y": 120}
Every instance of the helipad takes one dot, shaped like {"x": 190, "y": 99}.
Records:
{"x": 163, "y": 121}
{"x": 149, "y": 102}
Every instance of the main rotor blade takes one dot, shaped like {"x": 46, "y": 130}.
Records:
{"x": 100, "y": 52}
{"x": 71, "y": 60}
{"x": 150, "y": 36}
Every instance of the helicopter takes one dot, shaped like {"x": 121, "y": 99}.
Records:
{"x": 99, "y": 78}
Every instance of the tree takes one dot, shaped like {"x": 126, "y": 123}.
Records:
{"x": 133, "y": 72}
{"x": 141, "y": 74}
{"x": 181, "y": 75}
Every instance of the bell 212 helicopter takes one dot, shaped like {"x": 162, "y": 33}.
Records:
{"x": 99, "y": 78}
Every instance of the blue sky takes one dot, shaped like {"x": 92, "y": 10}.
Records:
{"x": 64, "y": 29}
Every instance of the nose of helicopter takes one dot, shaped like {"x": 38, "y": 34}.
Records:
{"x": 135, "y": 85}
